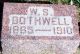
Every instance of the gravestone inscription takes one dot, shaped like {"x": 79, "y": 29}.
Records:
{"x": 40, "y": 20}
{"x": 39, "y": 28}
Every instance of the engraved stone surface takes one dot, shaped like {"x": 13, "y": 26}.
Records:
{"x": 39, "y": 29}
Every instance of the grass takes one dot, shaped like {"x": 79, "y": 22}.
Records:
{"x": 78, "y": 51}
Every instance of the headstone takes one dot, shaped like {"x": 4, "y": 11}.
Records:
{"x": 39, "y": 29}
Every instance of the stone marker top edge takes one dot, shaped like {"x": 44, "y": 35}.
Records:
{"x": 5, "y": 3}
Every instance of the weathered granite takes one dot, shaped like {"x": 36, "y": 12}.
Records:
{"x": 20, "y": 44}
{"x": 11, "y": 46}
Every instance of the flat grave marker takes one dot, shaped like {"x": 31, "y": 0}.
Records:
{"x": 40, "y": 25}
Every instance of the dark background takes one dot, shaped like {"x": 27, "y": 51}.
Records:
{"x": 1, "y": 11}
